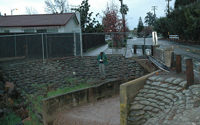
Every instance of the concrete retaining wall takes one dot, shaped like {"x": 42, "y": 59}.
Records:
{"x": 164, "y": 55}
{"x": 53, "y": 105}
{"x": 127, "y": 93}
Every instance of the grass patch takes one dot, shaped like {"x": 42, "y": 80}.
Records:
{"x": 47, "y": 91}
{"x": 67, "y": 89}
{"x": 10, "y": 119}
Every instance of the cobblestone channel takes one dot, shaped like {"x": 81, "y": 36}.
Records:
{"x": 165, "y": 101}
{"x": 56, "y": 71}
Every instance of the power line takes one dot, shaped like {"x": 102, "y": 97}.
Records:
{"x": 158, "y": 2}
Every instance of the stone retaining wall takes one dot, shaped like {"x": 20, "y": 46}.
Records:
{"x": 163, "y": 100}
{"x": 54, "y": 72}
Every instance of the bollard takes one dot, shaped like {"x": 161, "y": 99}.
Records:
{"x": 172, "y": 60}
{"x": 189, "y": 72}
{"x": 151, "y": 50}
{"x": 178, "y": 64}
{"x": 135, "y": 49}
{"x": 143, "y": 49}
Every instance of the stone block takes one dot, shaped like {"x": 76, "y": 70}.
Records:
{"x": 183, "y": 84}
{"x": 177, "y": 81}
{"x": 148, "y": 108}
{"x": 153, "y": 105}
{"x": 137, "y": 107}
{"x": 159, "y": 98}
{"x": 161, "y": 79}
{"x": 169, "y": 96}
{"x": 156, "y": 83}
{"x": 137, "y": 113}
{"x": 152, "y": 91}
{"x": 172, "y": 91}
{"x": 153, "y": 78}
{"x": 169, "y": 80}
{"x": 150, "y": 96}
{"x": 155, "y": 110}
{"x": 144, "y": 102}
{"x": 165, "y": 85}
{"x": 167, "y": 101}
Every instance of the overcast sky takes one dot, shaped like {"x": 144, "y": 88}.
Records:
{"x": 137, "y": 8}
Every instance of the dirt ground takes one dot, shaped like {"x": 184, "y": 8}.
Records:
{"x": 102, "y": 112}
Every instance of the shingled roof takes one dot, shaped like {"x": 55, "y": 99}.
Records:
{"x": 36, "y": 20}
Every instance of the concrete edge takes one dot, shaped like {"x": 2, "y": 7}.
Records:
{"x": 128, "y": 91}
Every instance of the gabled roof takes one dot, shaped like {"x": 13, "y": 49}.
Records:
{"x": 36, "y": 20}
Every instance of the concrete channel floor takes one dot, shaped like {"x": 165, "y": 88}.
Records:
{"x": 101, "y": 112}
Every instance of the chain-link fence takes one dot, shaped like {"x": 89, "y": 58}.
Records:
{"x": 45, "y": 45}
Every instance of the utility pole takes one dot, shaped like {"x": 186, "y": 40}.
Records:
{"x": 154, "y": 8}
{"x": 168, "y": 6}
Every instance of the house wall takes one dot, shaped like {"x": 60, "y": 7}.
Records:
{"x": 71, "y": 25}
{"x": 12, "y": 29}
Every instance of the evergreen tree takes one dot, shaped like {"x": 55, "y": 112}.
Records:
{"x": 149, "y": 19}
{"x": 179, "y": 3}
{"x": 140, "y": 26}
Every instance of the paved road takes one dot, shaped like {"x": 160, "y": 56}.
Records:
{"x": 191, "y": 51}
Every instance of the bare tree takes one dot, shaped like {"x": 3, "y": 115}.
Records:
{"x": 31, "y": 10}
{"x": 58, "y": 6}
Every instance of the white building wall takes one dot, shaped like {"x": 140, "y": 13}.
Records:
{"x": 71, "y": 25}
{"x": 13, "y": 29}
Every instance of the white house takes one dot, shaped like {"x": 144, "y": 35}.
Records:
{"x": 40, "y": 23}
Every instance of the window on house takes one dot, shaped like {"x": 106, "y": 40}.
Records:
{"x": 6, "y": 31}
{"x": 29, "y": 31}
{"x": 52, "y": 30}
{"x": 42, "y": 31}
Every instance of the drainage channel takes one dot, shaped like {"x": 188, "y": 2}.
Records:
{"x": 159, "y": 64}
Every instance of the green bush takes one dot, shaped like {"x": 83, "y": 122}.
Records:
{"x": 10, "y": 119}
{"x": 183, "y": 21}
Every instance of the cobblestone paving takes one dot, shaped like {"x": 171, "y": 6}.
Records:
{"x": 165, "y": 101}
{"x": 55, "y": 71}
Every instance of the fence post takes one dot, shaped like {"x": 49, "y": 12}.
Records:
{"x": 135, "y": 49}
{"x": 189, "y": 72}
{"x": 143, "y": 49}
{"x": 172, "y": 60}
{"x": 42, "y": 48}
{"x": 112, "y": 44}
{"x": 81, "y": 44}
{"x": 144, "y": 45}
{"x": 15, "y": 45}
{"x": 74, "y": 44}
{"x": 46, "y": 45}
{"x": 178, "y": 64}
{"x": 151, "y": 50}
